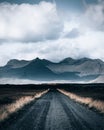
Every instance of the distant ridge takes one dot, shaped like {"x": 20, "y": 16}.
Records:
{"x": 84, "y": 69}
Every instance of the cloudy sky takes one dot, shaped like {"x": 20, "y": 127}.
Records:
{"x": 51, "y": 29}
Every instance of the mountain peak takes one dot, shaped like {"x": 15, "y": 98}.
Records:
{"x": 42, "y": 61}
{"x": 66, "y": 69}
{"x": 37, "y": 58}
{"x": 14, "y": 63}
{"x": 68, "y": 60}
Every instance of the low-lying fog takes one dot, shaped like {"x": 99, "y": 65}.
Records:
{"x": 27, "y": 81}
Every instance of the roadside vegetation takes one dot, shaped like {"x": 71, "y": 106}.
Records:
{"x": 13, "y": 99}
{"x": 91, "y": 99}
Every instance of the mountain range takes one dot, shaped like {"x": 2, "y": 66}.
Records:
{"x": 83, "y": 69}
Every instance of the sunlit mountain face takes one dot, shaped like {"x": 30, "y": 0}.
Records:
{"x": 51, "y": 29}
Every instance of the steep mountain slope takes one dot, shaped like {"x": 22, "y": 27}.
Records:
{"x": 99, "y": 79}
{"x": 17, "y": 63}
{"x": 83, "y": 66}
{"x": 33, "y": 69}
{"x": 40, "y": 69}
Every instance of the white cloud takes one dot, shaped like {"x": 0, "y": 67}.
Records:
{"x": 27, "y": 22}
{"x": 87, "y": 39}
{"x": 89, "y": 45}
{"x": 94, "y": 16}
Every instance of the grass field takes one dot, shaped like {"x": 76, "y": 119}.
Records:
{"x": 91, "y": 95}
{"x": 14, "y": 97}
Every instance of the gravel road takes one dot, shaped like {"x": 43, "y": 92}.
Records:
{"x": 54, "y": 111}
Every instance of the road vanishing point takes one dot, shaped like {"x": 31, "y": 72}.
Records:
{"x": 54, "y": 111}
